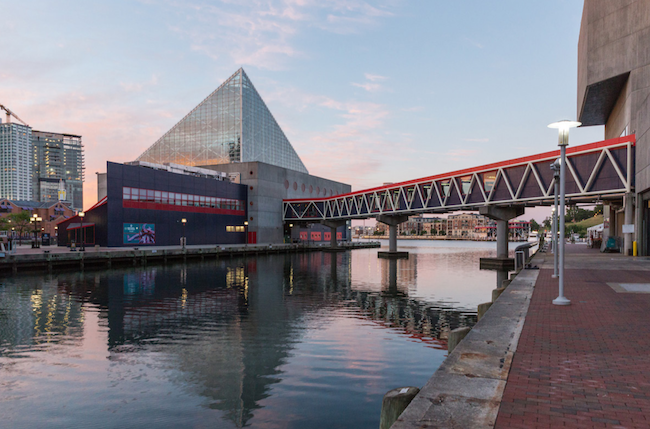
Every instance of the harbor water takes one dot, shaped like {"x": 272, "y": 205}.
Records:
{"x": 309, "y": 340}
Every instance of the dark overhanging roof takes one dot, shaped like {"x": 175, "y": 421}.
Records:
{"x": 600, "y": 98}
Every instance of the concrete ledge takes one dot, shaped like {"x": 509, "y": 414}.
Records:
{"x": 393, "y": 255}
{"x": 60, "y": 258}
{"x": 497, "y": 264}
{"x": 334, "y": 249}
{"x": 466, "y": 391}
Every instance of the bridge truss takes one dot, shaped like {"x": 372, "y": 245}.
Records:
{"x": 596, "y": 171}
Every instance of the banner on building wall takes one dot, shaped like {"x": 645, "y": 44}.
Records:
{"x": 139, "y": 233}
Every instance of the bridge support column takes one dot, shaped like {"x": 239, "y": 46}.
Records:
{"x": 392, "y": 238}
{"x": 501, "y": 264}
{"x": 629, "y": 219}
{"x": 392, "y": 221}
{"x": 333, "y": 225}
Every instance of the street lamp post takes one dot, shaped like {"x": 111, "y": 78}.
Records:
{"x": 563, "y": 128}
{"x": 38, "y": 229}
{"x": 246, "y": 232}
{"x": 32, "y": 220}
{"x": 183, "y": 222}
{"x": 81, "y": 232}
{"x": 556, "y": 174}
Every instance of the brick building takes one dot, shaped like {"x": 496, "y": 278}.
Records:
{"x": 51, "y": 213}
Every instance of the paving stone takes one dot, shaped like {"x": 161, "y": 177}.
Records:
{"x": 590, "y": 360}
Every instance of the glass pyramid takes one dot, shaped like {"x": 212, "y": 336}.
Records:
{"x": 232, "y": 124}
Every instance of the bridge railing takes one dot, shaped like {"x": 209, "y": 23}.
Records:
{"x": 594, "y": 171}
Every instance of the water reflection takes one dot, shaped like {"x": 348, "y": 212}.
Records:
{"x": 236, "y": 336}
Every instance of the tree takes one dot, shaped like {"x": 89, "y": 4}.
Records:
{"x": 20, "y": 222}
{"x": 5, "y": 224}
{"x": 547, "y": 223}
{"x": 534, "y": 226}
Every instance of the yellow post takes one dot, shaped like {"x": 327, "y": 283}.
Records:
{"x": 634, "y": 249}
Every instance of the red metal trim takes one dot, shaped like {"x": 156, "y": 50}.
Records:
{"x": 99, "y": 203}
{"x": 174, "y": 208}
{"x": 79, "y": 227}
{"x": 487, "y": 167}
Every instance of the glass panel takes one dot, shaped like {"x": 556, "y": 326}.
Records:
{"x": 488, "y": 180}
{"x": 464, "y": 184}
{"x": 445, "y": 188}
{"x": 232, "y": 124}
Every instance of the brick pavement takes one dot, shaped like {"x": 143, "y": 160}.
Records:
{"x": 586, "y": 365}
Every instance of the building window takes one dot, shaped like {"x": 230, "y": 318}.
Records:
{"x": 177, "y": 199}
{"x": 234, "y": 228}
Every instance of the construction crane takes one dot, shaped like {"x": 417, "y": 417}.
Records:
{"x": 9, "y": 114}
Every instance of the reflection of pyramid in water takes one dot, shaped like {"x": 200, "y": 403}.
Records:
{"x": 231, "y": 125}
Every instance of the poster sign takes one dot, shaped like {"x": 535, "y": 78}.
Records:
{"x": 628, "y": 228}
{"x": 139, "y": 233}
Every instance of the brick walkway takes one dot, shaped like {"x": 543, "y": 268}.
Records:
{"x": 586, "y": 365}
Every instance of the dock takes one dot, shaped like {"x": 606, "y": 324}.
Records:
{"x": 53, "y": 258}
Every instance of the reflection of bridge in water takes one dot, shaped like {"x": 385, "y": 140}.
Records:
{"x": 249, "y": 314}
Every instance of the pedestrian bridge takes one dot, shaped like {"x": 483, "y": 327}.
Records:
{"x": 595, "y": 171}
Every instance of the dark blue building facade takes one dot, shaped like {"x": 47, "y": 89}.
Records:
{"x": 145, "y": 207}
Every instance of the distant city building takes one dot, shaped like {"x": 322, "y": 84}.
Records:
{"x": 518, "y": 230}
{"x": 57, "y": 162}
{"x": 15, "y": 165}
{"x": 51, "y": 213}
{"x": 463, "y": 225}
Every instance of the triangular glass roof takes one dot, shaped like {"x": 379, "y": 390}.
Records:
{"x": 232, "y": 124}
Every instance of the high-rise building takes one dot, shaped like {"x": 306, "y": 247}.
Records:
{"x": 231, "y": 125}
{"x": 15, "y": 165}
{"x": 57, "y": 161}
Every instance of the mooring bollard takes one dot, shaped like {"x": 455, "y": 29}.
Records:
{"x": 394, "y": 403}
{"x": 482, "y": 309}
{"x": 497, "y": 293}
{"x": 455, "y": 337}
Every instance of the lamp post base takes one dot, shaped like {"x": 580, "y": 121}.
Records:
{"x": 560, "y": 300}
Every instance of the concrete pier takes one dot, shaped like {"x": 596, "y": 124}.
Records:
{"x": 61, "y": 258}
{"x": 392, "y": 222}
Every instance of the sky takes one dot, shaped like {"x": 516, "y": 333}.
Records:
{"x": 367, "y": 92}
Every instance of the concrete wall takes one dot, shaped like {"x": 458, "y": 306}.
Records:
{"x": 268, "y": 185}
{"x": 614, "y": 82}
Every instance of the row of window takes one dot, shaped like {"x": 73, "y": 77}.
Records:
{"x": 236, "y": 228}
{"x": 178, "y": 199}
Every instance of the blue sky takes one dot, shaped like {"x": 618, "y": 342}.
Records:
{"x": 367, "y": 92}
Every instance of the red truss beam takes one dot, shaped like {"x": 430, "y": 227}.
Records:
{"x": 593, "y": 170}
